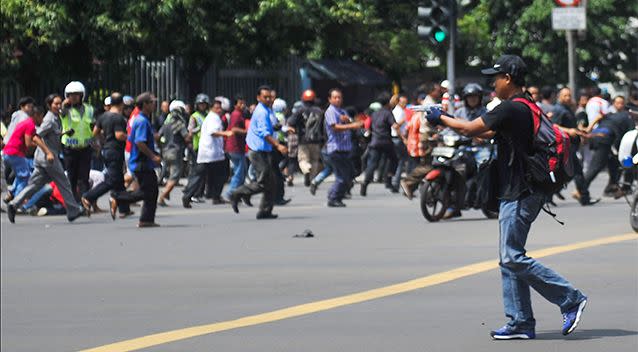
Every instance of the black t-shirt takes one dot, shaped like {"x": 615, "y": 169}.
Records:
{"x": 617, "y": 124}
{"x": 381, "y": 126}
{"x": 109, "y": 123}
{"x": 513, "y": 125}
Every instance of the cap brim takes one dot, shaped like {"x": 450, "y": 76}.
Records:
{"x": 490, "y": 71}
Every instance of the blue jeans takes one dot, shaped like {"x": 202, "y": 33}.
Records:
{"x": 344, "y": 173}
{"x": 46, "y": 190}
{"x": 327, "y": 168}
{"x": 22, "y": 169}
{"x": 519, "y": 272}
{"x": 238, "y": 162}
{"x": 402, "y": 155}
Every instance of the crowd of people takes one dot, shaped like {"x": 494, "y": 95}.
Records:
{"x": 63, "y": 156}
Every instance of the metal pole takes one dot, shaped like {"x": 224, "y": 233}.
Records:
{"x": 571, "y": 63}
{"x": 450, "y": 59}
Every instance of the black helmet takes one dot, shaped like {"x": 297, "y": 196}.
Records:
{"x": 202, "y": 98}
{"x": 472, "y": 89}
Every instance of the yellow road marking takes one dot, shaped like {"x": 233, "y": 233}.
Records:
{"x": 314, "y": 307}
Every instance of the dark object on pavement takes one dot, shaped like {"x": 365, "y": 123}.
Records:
{"x": 305, "y": 234}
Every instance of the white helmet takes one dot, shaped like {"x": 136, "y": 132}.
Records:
{"x": 74, "y": 87}
{"x": 225, "y": 102}
{"x": 176, "y": 104}
{"x": 279, "y": 105}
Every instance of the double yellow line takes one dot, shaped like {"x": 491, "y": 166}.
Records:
{"x": 318, "y": 306}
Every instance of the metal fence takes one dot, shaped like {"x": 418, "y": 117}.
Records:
{"x": 166, "y": 79}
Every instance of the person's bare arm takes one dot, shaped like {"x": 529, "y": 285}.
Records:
{"x": 97, "y": 132}
{"x": 347, "y": 126}
{"x": 280, "y": 147}
{"x": 238, "y": 130}
{"x": 144, "y": 149}
{"x": 594, "y": 123}
{"x": 120, "y": 136}
{"x": 572, "y": 132}
{"x": 223, "y": 134}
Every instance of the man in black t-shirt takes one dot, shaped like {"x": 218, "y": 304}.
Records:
{"x": 607, "y": 135}
{"x": 381, "y": 144}
{"x": 511, "y": 124}
{"x": 112, "y": 127}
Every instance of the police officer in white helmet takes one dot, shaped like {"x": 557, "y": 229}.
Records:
{"x": 77, "y": 124}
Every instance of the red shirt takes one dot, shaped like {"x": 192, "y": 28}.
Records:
{"x": 134, "y": 113}
{"x": 236, "y": 143}
{"x": 17, "y": 145}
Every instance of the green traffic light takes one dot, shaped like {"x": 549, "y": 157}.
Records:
{"x": 439, "y": 36}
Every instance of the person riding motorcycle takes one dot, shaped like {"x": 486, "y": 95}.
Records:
{"x": 472, "y": 109}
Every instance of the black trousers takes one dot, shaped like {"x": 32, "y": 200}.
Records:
{"x": 147, "y": 192}
{"x": 265, "y": 181}
{"x": 113, "y": 178}
{"x": 277, "y": 158}
{"x": 344, "y": 174}
{"x": 213, "y": 175}
{"x": 579, "y": 177}
{"x": 77, "y": 163}
{"x": 374, "y": 154}
{"x": 599, "y": 160}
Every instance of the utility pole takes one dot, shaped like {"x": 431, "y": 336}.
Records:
{"x": 569, "y": 34}
{"x": 451, "y": 73}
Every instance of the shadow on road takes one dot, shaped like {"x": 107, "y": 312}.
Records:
{"x": 585, "y": 334}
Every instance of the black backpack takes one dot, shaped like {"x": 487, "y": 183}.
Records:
{"x": 313, "y": 125}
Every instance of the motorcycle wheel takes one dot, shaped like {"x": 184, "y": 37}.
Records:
{"x": 633, "y": 215}
{"x": 490, "y": 214}
{"x": 435, "y": 199}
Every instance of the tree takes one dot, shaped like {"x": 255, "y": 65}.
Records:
{"x": 609, "y": 45}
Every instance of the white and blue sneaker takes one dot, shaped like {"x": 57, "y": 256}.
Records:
{"x": 571, "y": 318}
{"x": 509, "y": 333}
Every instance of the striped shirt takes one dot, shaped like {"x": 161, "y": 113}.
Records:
{"x": 338, "y": 141}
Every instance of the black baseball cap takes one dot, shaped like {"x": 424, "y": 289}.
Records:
{"x": 510, "y": 64}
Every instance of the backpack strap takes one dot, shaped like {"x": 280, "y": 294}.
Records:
{"x": 549, "y": 212}
{"x": 537, "y": 113}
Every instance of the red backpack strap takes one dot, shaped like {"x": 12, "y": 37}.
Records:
{"x": 536, "y": 112}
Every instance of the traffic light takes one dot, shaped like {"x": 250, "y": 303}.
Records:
{"x": 434, "y": 20}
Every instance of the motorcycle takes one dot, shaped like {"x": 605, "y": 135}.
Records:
{"x": 454, "y": 164}
{"x": 631, "y": 195}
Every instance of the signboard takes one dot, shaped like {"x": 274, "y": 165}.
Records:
{"x": 569, "y": 18}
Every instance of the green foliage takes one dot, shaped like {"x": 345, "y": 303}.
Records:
{"x": 42, "y": 39}
{"x": 524, "y": 28}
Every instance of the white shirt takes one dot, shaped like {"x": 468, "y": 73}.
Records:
{"x": 399, "y": 117}
{"x": 211, "y": 148}
{"x": 626, "y": 144}
{"x": 595, "y": 107}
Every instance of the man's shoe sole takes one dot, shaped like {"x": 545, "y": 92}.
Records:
{"x": 581, "y": 308}
{"x": 512, "y": 337}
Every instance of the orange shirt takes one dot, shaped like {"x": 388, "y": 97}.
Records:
{"x": 413, "y": 136}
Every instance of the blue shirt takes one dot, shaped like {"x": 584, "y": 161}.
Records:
{"x": 338, "y": 141}
{"x": 260, "y": 127}
{"x": 141, "y": 131}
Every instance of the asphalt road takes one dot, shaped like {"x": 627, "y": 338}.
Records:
{"x": 69, "y": 287}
